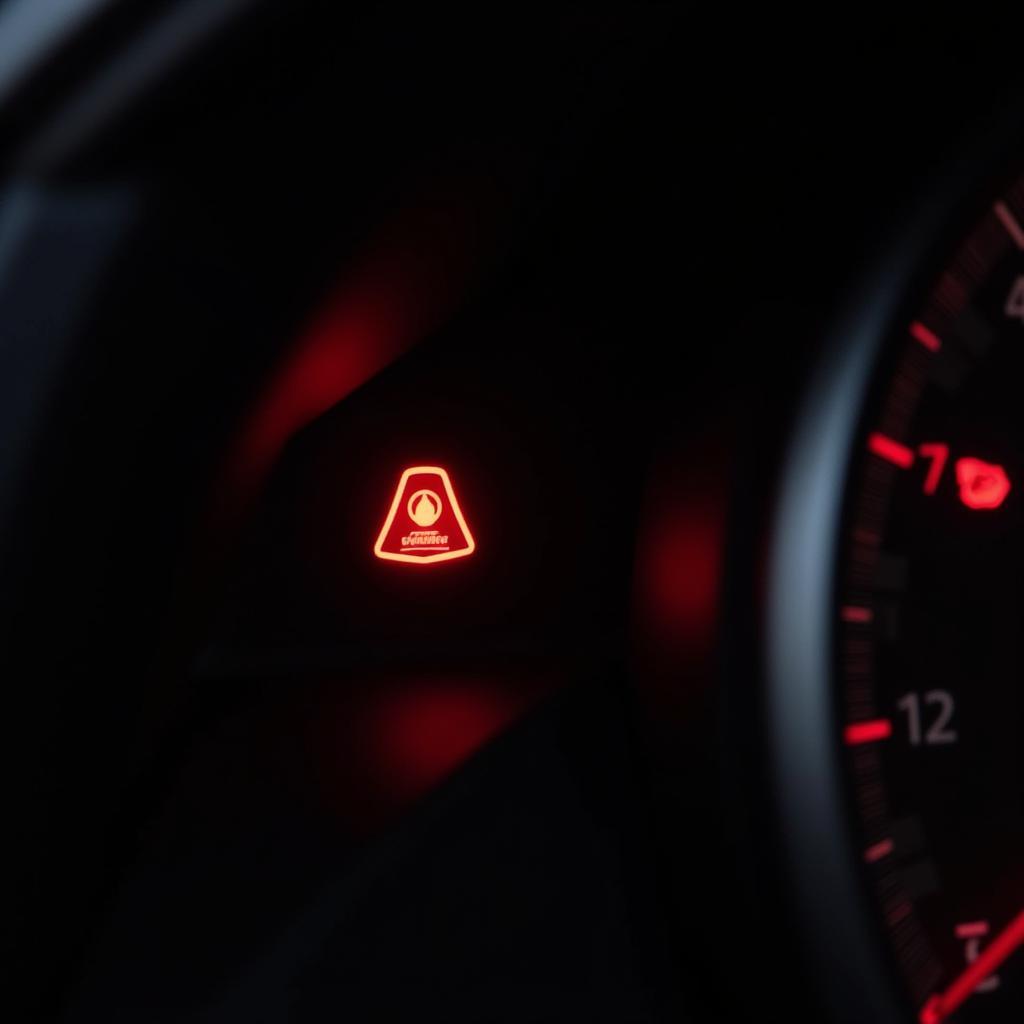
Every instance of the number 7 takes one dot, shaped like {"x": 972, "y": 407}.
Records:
{"x": 938, "y": 453}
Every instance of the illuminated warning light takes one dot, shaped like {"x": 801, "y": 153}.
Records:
{"x": 982, "y": 484}
{"x": 425, "y": 524}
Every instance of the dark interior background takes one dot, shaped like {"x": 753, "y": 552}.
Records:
{"x": 619, "y": 234}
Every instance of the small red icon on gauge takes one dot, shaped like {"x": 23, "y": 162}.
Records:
{"x": 425, "y": 523}
{"x": 982, "y": 484}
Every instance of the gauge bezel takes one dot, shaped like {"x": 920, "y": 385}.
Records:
{"x": 810, "y": 788}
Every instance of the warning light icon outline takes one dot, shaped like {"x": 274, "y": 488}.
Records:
{"x": 983, "y": 485}
{"x": 423, "y": 508}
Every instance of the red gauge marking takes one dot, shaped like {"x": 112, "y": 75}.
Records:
{"x": 929, "y": 339}
{"x": 1010, "y": 222}
{"x": 856, "y": 613}
{"x": 868, "y": 537}
{"x": 899, "y": 913}
{"x": 938, "y": 453}
{"x": 942, "y": 1005}
{"x": 881, "y": 849}
{"x": 868, "y": 732}
{"x": 890, "y": 450}
{"x": 982, "y": 484}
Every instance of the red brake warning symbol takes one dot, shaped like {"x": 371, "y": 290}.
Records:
{"x": 425, "y": 523}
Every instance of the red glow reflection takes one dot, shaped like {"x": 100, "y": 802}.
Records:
{"x": 680, "y": 573}
{"x": 380, "y": 743}
{"x": 677, "y": 582}
{"x": 404, "y": 284}
{"x": 421, "y": 736}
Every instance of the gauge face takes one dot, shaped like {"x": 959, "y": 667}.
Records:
{"x": 930, "y": 652}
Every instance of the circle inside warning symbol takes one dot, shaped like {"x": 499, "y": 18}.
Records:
{"x": 424, "y": 508}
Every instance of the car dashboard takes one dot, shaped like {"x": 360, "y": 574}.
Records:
{"x": 509, "y": 515}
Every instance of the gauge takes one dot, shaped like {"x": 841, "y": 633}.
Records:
{"x": 909, "y": 708}
{"x": 929, "y": 645}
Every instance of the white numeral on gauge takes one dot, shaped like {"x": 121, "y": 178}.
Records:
{"x": 936, "y": 733}
{"x": 970, "y": 933}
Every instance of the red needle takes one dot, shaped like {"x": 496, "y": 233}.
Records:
{"x": 942, "y": 1005}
